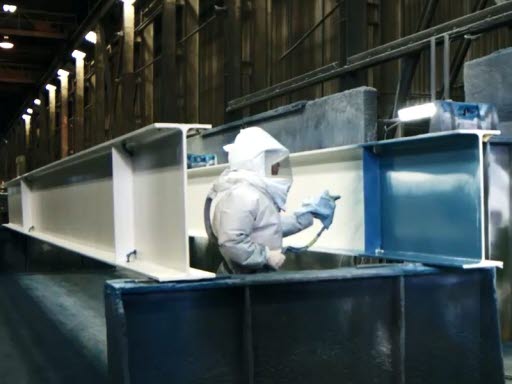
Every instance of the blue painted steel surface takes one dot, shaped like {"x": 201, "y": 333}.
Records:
{"x": 385, "y": 324}
{"x": 499, "y": 209}
{"x": 372, "y": 205}
{"x": 424, "y": 199}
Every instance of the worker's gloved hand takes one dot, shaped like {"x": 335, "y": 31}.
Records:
{"x": 275, "y": 258}
{"x": 321, "y": 207}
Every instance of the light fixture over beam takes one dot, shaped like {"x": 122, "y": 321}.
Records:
{"x": 62, "y": 73}
{"x": 5, "y": 43}
{"x": 91, "y": 37}
{"x": 9, "y": 8}
{"x": 79, "y": 55}
{"x": 417, "y": 112}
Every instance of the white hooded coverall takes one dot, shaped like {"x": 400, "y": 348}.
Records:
{"x": 248, "y": 201}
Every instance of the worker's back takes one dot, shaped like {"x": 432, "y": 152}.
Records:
{"x": 243, "y": 209}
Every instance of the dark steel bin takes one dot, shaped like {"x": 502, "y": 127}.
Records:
{"x": 384, "y": 324}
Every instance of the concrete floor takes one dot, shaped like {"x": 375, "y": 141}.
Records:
{"x": 52, "y": 321}
{"x": 507, "y": 361}
{"x": 52, "y": 327}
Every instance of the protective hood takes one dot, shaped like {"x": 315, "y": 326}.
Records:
{"x": 261, "y": 160}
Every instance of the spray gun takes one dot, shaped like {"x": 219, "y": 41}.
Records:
{"x": 322, "y": 208}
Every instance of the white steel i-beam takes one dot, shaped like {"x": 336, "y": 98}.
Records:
{"x": 132, "y": 203}
{"x": 121, "y": 202}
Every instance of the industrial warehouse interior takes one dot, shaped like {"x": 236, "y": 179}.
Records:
{"x": 255, "y": 191}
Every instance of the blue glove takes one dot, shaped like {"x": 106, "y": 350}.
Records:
{"x": 321, "y": 207}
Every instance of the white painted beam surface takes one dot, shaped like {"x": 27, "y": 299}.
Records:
{"x": 126, "y": 195}
{"x": 339, "y": 170}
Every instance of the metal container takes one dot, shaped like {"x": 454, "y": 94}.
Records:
{"x": 385, "y": 324}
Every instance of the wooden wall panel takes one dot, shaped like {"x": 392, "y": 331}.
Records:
{"x": 268, "y": 29}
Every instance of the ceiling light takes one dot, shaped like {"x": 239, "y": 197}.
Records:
{"x": 37, "y": 102}
{"x": 78, "y": 54}
{"x": 30, "y": 111}
{"x": 5, "y": 43}
{"x": 50, "y": 87}
{"x": 25, "y": 117}
{"x": 418, "y": 112}
{"x": 91, "y": 37}
{"x": 62, "y": 73}
{"x": 9, "y": 8}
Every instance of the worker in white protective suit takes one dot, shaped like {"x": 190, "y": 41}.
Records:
{"x": 248, "y": 198}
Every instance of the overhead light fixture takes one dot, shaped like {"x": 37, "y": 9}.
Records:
{"x": 417, "y": 112}
{"x": 5, "y": 43}
{"x": 79, "y": 55}
{"x": 37, "y": 102}
{"x": 25, "y": 117}
{"x": 50, "y": 87}
{"x": 62, "y": 73}
{"x": 91, "y": 37}
{"x": 30, "y": 111}
{"x": 8, "y": 8}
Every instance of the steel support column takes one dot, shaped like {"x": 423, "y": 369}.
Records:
{"x": 78, "y": 121}
{"x": 51, "y": 122}
{"x": 168, "y": 70}
{"x": 126, "y": 120}
{"x": 21, "y": 160}
{"x": 463, "y": 49}
{"x": 42, "y": 150}
{"x": 28, "y": 142}
{"x": 98, "y": 131}
{"x": 191, "y": 14}
{"x": 64, "y": 127}
{"x": 354, "y": 32}
{"x": 232, "y": 54}
{"x": 433, "y": 70}
{"x": 260, "y": 45}
{"x": 168, "y": 97}
{"x": 446, "y": 67}
{"x": 27, "y": 119}
{"x": 148, "y": 54}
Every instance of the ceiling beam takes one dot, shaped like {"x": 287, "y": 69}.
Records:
{"x": 13, "y": 93}
{"x": 18, "y": 76}
{"x": 33, "y": 33}
{"x": 22, "y": 64}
